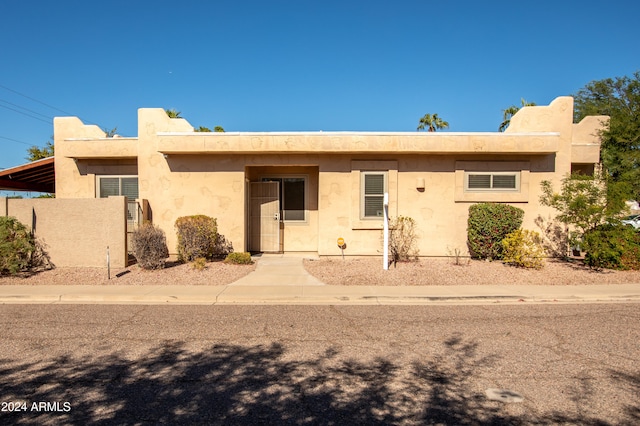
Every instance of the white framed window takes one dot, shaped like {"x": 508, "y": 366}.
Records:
{"x": 117, "y": 185}
{"x": 373, "y": 185}
{"x": 492, "y": 181}
{"x": 293, "y": 196}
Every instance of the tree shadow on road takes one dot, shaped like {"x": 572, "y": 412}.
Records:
{"x": 257, "y": 384}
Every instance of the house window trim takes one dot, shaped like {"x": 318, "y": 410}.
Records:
{"x": 516, "y": 189}
{"x": 475, "y": 166}
{"x": 306, "y": 196}
{"x": 99, "y": 177}
{"x": 363, "y": 174}
{"x": 353, "y": 214}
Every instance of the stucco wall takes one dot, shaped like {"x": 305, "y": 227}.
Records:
{"x": 75, "y": 232}
{"x": 182, "y": 172}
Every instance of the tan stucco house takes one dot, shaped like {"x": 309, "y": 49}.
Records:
{"x": 301, "y": 191}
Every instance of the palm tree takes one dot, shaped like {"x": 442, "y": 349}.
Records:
{"x": 510, "y": 112}
{"x": 432, "y": 123}
{"x": 172, "y": 113}
{"x": 218, "y": 129}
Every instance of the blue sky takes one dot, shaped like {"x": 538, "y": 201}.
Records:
{"x": 299, "y": 65}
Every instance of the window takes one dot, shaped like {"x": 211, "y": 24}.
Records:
{"x": 373, "y": 185}
{"x": 492, "y": 181}
{"x": 118, "y": 185}
{"x": 292, "y": 196}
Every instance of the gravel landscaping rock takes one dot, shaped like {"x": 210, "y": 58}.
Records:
{"x": 335, "y": 271}
{"x": 215, "y": 273}
{"x": 444, "y": 271}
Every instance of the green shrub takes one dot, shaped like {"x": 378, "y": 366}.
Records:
{"x": 198, "y": 237}
{"x": 16, "y": 246}
{"x": 239, "y": 258}
{"x": 149, "y": 246}
{"x": 523, "y": 248}
{"x": 612, "y": 247}
{"x": 199, "y": 264}
{"x": 488, "y": 225}
{"x": 402, "y": 239}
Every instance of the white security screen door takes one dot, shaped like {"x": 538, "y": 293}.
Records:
{"x": 264, "y": 216}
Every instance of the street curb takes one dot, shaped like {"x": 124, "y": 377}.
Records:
{"x": 150, "y": 299}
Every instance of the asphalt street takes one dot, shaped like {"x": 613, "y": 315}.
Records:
{"x": 117, "y": 364}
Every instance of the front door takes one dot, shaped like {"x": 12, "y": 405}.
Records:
{"x": 264, "y": 216}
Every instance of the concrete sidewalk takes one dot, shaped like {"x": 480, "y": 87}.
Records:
{"x": 281, "y": 279}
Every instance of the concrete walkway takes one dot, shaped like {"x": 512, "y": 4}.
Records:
{"x": 279, "y": 269}
{"x": 281, "y": 279}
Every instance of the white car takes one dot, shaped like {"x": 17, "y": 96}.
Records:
{"x": 633, "y": 220}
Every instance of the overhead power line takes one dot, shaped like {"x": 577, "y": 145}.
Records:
{"x": 26, "y": 109}
{"x": 17, "y": 141}
{"x": 28, "y": 115}
{"x": 45, "y": 104}
{"x": 35, "y": 100}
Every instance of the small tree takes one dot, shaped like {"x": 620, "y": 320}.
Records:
{"x": 584, "y": 203}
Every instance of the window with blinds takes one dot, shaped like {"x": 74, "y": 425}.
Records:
{"x": 118, "y": 185}
{"x": 492, "y": 181}
{"x": 373, "y": 187}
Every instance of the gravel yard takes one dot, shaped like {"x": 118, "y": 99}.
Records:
{"x": 216, "y": 273}
{"x": 442, "y": 271}
{"x": 335, "y": 271}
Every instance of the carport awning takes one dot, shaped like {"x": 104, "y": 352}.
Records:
{"x": 35, "y": 176}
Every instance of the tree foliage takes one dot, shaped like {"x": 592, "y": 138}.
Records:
{"x": 173, "y": 113}
{"x": 432, "y": 122}
{"x": 584, "y": 203}
{"x": 613, "y": 247}
{"x": 619, "y": 98}
{"x": 110, "y": 133}
{"x": 35, "y": 153}
{"x": 510, "y": 112}
{"x": 217, "y": 129}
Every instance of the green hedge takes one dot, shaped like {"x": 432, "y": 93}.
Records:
{"x": 488, "y": 225}
{"x": 613, "y": 247}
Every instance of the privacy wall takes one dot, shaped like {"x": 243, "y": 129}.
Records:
{"x": 75, "y": 232}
